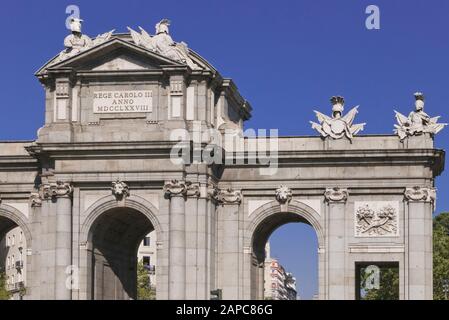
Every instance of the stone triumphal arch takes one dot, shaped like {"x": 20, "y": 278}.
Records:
{"x": 101, "y": 175}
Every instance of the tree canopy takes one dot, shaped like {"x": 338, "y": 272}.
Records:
{"x": 440, "y": 255}
{"x": 145, "y": 289}
{"x": 4, "y": 294}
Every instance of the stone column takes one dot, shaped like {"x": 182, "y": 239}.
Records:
{"x": 420, "y": 207}
{"x": 61, "y": 193}
{"x": 45, "y": 245}
{"x": 176, "y": 191}
{"x": 211, "y": 239}
{"x": 336, "y": 199}
{"x": 259, "y": 266}
{"x": 202, "y": 245}
{"x": 192, "y": 243}
{"x": 229, "y": 215}
{"x": 33, "y": 267}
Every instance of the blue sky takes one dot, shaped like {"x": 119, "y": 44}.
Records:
{"x": 287, "y": 58}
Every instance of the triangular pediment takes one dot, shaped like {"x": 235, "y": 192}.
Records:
{"x": 122, "y": 62}
{"x": 113, "y": 55}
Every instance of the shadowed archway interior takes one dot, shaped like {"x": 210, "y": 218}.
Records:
{"x": 261, "y": 235}
{"x": 6, "y": 225}
{"x": 115, "y": 237}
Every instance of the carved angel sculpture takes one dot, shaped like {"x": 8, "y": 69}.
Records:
{"x": 163, "y": 44}
{"x": 102, "y": 38}
{"x": 418, "y": 122}
{"x": 337, "y": 126}
{"x": 142, "y": 39}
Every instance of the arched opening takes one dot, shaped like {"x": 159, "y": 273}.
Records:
{"x": 291, "y": 263}
{"x": 114, "y": 239}
{"x": 13, "y": 265}
{"x": 274, "y": 223}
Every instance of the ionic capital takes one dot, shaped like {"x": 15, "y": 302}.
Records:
{"x": 336, "y": 194}
{"x": 35, "y": 199}
{"x": 420, "y": 194}
{"x": 175, "y": 188}
{"x": 57, "y": 190}
{"x": 193, "y": 190}
{"x": 229, "y": 196}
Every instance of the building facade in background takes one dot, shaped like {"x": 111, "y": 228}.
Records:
{"x": 279, "y": 284}
{"x": 13, "y": 261}
{"x": 147, "y": 253}
{"x": 291, "y": 287}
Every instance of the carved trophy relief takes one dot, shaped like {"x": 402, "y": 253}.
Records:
{"x": 418, "y": 122}
{"x": 337, "y": 126}
{"x": 376, "y": 219}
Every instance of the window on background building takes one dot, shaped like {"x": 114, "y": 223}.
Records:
{"x": 12, "y": 279}
{"x": 146, "y": 241}
{"x": 20, "y": 236}
{"x": 8, "y": 262}
{"x": 13, "y": 240}
{"x": 8, "y": 242}
{"x": 146, "y": 261}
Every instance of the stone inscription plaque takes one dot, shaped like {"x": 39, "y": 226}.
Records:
{"x": 127, "y": 101}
